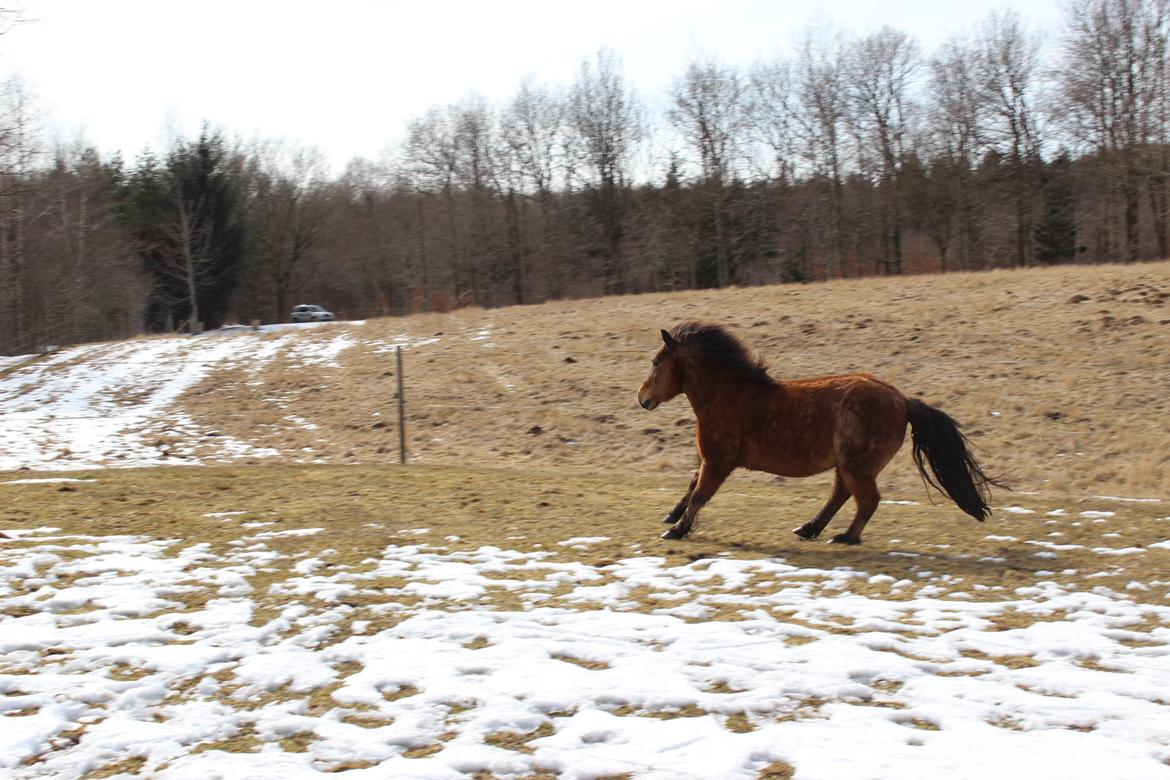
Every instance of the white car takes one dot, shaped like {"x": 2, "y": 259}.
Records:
{"x": 311, "y": 312}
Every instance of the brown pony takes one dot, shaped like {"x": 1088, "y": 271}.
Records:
{"x": 852, "y": 423}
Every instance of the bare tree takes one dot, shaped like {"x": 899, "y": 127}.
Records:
{"x": 710, "y": 109}
{"x": 605, "y": 120}
{"x": 533, "y": 128}
{"x": 509, "y": 182}
{"x": 194, "y": 260}
{"x": 820, "y": 123}
{"x": 452, "y": 151}
{"x": 773, "y": 112}
{"x": 286, "y": 204}
{"x": 475, "y": 168}
{"x": 1113, "y": 83}
{"x": 80, "y": 279}
{"x": 430, "y": 161}
{"x": 879, "y": 73}
{"x": 20, "y": 151}
{"x": 1008, "y": 75}
{"x": 948, "y": 206}
{"x": 377, "y": 244}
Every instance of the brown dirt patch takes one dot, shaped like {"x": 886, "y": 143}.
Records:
{"x": 518, "y": 742}
{"x": 777, "y": 770}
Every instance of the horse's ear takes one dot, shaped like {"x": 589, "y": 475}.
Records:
{"x": 668, "y": 340}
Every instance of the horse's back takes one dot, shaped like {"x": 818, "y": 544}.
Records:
{"x": 852, "y": 420}
{"x": 789, "y": 428}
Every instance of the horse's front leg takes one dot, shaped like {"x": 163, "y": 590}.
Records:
{"x": 710, "y": 477}
{"x": 681, "y": 507}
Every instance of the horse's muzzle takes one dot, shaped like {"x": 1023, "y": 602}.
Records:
{"x": 648, "y": 403}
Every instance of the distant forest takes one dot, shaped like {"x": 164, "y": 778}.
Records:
{"x": 850, "y": 156}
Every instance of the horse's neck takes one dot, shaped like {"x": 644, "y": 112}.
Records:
{"x": 709, "y": 400}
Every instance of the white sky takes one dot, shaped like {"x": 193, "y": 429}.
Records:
{"x": 346, "y": 75}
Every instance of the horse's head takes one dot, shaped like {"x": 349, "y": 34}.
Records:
{"x": 666, "y": 375}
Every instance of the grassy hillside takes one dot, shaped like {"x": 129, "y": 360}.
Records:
{"x": 1060, "y": 375}
{"x": 504, "y": 607}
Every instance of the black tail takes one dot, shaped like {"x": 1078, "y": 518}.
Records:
{"x": 953, "y": 469}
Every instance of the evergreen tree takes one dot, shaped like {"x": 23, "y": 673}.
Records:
{"x": 1055, "y": 234}
{"x": 185, "y": 217}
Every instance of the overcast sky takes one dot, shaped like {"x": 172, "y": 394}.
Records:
{"x": 346, "y": 75}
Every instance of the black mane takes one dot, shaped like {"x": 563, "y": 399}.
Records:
{"x": 717, "y": 344}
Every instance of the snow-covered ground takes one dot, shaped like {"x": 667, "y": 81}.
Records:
{"x": 11, "y": 361}
{"x": 113, "y": 404}
{"x": 138, "y": 656}
{"x": 164, "y": 658}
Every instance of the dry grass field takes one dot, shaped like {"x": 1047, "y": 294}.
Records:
{"x": 1061, "y": 376}
{"x": 289, "y": 601}
{"x": 462, "y": 508}
{"x": 433, "y": 622}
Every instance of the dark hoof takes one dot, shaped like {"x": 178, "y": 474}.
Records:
{"x": 670, "y": 519}
{"x": 804, "y": 532}
{"x": 844, "y": 539}
{"x": 673, "y": 533}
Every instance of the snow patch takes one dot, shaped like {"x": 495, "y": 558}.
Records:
{"x": 97, "y": 640}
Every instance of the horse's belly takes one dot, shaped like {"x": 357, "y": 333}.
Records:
{"x": 802, "y": 464}
{"x": 801, "y": 469}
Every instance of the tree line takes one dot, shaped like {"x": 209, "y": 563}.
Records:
{"x": 851, "y": 155}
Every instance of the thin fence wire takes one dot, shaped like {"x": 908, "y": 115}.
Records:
{"x": 484, "y": 350}
{"x": 493, "y": 407}
{"x": 481, "y": 351}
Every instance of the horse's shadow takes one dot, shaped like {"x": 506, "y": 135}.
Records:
{"x": 893, "y": 560}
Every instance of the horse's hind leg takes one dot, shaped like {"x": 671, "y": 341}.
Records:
{"x": 812, "y": 529}
{"x": 865, "y": 493}
{"x": 681, "y": 507}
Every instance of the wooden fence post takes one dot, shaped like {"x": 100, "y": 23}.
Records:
{"x": 401, "y": 409}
